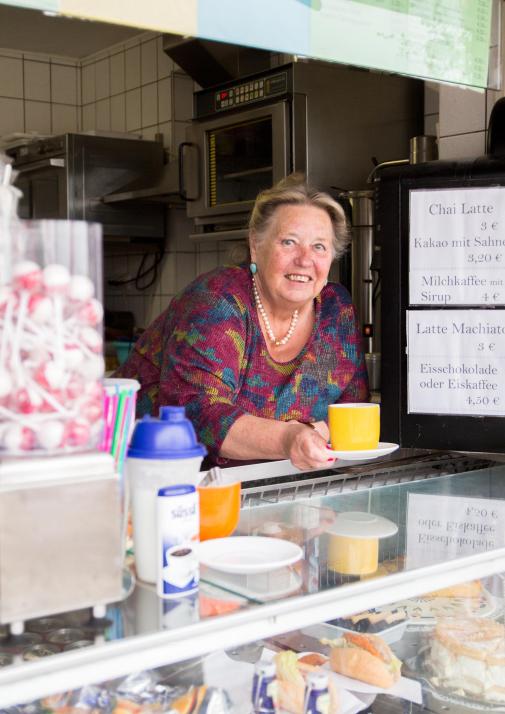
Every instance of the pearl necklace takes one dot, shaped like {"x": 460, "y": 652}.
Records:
{"x": 268, "y": 327}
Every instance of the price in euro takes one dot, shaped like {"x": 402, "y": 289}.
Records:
{"x": 479, "y": 258}
{"x": 482, "y": 401}
{"x": 479, "y": 512}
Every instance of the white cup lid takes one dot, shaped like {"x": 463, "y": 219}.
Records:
{"x": 359, "y": 524}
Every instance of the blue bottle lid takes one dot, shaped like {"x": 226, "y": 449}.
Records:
{"x": 180, "y": 489}
{"x": 171, "y": 436}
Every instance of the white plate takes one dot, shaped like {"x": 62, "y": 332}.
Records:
{"x": 383, "y": 449}
{"x": 257, "y": 586}
{"x": 248, "y": 554}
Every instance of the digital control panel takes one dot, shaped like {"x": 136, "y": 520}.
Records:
{"x": 251, "y": 91}
{"x": 232, "y": 96}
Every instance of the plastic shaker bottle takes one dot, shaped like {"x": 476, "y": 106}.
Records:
{"x": 163, "y": 452}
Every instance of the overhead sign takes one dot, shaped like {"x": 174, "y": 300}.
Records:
{"x": 457, "y": 247}
{"x": 456, "y": 362}
{"x": 430, "y": 39}
{"x": 50, "y": 5}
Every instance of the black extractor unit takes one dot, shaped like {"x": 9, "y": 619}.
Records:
{"x": 70, "y": 176}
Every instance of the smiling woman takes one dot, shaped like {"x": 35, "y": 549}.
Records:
{"x": 255, "y": 352}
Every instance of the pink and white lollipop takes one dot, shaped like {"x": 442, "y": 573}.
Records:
{"x": 50, "y": 435}
{"x": 18, "y": 438}
{"x": 80, "y": 288}
{"x": 26, "y": 275}
{"x": 55, "y": 279}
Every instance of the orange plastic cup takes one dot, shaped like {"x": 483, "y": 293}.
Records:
{"x": 219, "y": 510}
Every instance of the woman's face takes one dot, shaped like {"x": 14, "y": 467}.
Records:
{"x": 295, "y": 256}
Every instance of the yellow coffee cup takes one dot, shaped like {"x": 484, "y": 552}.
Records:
{"x": 354, "y": 427}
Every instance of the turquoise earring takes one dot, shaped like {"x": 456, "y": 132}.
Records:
{"x": 253, "y": 268}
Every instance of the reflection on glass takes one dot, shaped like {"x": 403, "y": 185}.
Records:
{"x": 240, "y": 162}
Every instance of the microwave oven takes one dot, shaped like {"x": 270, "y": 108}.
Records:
{"x": 327, "y": 121}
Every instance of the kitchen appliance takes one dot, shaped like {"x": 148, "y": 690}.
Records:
{"x": 68, "y": 176}
{"x": 324, "y": 120}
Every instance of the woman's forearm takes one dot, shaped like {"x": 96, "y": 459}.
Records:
{"x": 252, "y": 437}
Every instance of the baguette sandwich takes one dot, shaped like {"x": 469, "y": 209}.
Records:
{"x": 365, "y": 657}
{"x": 291, "y": 673}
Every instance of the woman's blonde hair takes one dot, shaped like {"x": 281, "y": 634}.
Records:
{"x": 294, "y": 191}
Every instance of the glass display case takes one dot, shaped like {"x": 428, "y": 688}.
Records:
{"x": 415, "y": 561}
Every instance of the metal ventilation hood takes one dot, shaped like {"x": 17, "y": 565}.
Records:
{"x": 209, "y": 62}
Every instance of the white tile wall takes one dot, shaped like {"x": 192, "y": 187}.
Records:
{"x": 183, "y": 97}
{"x": 39, "y": 93}
{"x": 37, "y": 81}
{"x": 88, "y": 117}
{"x": 88, "y": 84}
{"x": 149, "y": 104}
{"x": 64, "y": 119}
{"x": 11, "y": 115}
{"x": 102, "y": 79}
{"x": 38, "y": 117}
{"x": 164, "y": 63}
{"x": 148, "y": 60}
{"x": 132, "y": 64}
{"x": 133, "y": 112}
{"x": 462, "y": 146}
{"x": 118, "y": 112}
{"x": 11, "y": 77}
{"x": 64, "y": 84}
{"x": 117, "y": 73}
{"x": 103, "y": 122}
{"x": 461, "y": 110}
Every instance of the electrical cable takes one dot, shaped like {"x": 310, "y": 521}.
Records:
{"x": 142, "y": 272}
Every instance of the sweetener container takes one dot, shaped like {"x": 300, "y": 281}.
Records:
{"x": 178, "y": 525}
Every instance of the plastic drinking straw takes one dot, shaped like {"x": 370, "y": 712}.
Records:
{"x": 117, "y": 424}
{"x": 121, "y": 433}
{"x": 108, "y": 411}
{"x": 130, "y": 415}
{"x": 110, "y": 436}
{"x": 106, "y": 406}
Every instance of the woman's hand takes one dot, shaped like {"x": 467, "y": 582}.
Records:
{"x": 305, "y": 444}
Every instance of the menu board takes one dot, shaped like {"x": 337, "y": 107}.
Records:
{"x": 456, "y": 362}
{"x": 448, "y": 527}
{"x": 445, "y": 40}
{"x": 49, "y": 5}
{"x": 457, "y": 247}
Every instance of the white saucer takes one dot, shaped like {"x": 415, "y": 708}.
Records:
{"x": 257, "y": 586}
{"x": 361, "y": 524}
{"x": 248, "y": 554}
{"x": 383, "y": 449}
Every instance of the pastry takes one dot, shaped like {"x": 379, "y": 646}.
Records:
{"x": 473, "y": 589}
{"x": 468, "y": 655}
